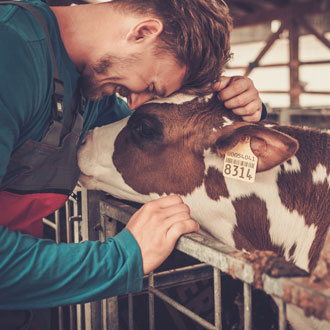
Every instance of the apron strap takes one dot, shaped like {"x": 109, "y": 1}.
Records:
{"x": 58, "y": 86}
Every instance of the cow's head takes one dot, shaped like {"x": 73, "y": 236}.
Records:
{"x": 162, "y": 147}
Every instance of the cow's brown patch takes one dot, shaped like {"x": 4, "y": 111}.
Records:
{"x": 252, "y": 229}
{"x": 297, "y": 190}
{"x": 292, "y": 250}
{"x": 215, "y": 184}
{"x": 161, "y": 148}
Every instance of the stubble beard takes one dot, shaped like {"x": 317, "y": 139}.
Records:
{"x": 90, "y": 87}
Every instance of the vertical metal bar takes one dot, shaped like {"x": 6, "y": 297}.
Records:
{"x": 90, "y": 218}
{"x": 75, "y": 236}
{"x": 284, "y": 117}
{"x": 281, "y": 315}
{"x": 217, "y": 299}
{"x": 58, "y": 240}
{"x": 247, "y": 307}
{"x": 57, "y": 226}
{"x": 67, "y": 222}
{"x": 151, "y": 303}
{"x": 130, "y": 312}
{"x": 110, "y": 314}
{"x": 69, "y": 240}
{"x": 80, "y": 320}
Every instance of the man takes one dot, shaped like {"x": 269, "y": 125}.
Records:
{"x": 139, "y": 49}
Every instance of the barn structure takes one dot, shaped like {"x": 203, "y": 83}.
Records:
{"x": 185, "y": 292}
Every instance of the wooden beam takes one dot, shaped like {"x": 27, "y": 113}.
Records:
{"x": 264, "y": 4}
{"x": 314, "y": 62}
{"x": 313, "y": 30}
{"x": 295, "y": 88}
{"x": 269, "y": 43}
{"x": 264, "y": 91}
{"x": 317, "y": 92}
{"x": 297, "y": 9}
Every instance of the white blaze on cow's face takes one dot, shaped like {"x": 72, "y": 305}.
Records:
{"x": 95, "y": 162}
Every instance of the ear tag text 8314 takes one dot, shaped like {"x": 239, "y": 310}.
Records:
{"x": 240, "y": 162}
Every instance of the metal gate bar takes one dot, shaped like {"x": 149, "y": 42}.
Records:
{"x": 71, "y": 215}
{"x": 57, "y": 228}
{"x": 217, "y": 298}
{"x": 152, "y": 291}
{"x": 247, "y": 306}
{"x": 237, "y": 264}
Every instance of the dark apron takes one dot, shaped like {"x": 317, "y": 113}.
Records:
{"x": 41, "y": 175}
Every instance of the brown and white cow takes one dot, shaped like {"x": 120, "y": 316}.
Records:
{"x": 178, "y": 145}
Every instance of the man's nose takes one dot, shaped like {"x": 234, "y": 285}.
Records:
{"x": 137, "y": 99}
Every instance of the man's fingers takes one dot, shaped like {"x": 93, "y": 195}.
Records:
{"x": 180, "y": 228}
{"x": 179, "y": 209}
{"x": 234, "y": 86}
{"x": 248, "y": 108}
{"x": 175, "y": 218}
{"x": 157, "y": 205}
{"x": 223, "y": 83}
{"x": 157, "y": 225}
{"x": 244, "y": 100}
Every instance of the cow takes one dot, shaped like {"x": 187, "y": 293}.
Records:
{"x": 253, "y": 186}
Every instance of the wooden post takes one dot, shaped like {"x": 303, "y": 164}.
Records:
{"x": 295, "y": 89}
{"x": 268, "y": 45}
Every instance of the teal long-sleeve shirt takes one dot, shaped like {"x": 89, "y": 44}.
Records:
{"x": 36, "y": 273}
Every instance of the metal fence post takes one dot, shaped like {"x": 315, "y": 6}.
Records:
{"x": 90, "y": 220}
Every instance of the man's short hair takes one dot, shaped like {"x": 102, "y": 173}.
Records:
{"x": 196, "y": 32}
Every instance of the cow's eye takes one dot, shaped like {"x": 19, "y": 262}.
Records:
{"x": 145, "y": 127}
{"x": 145, "y": 130}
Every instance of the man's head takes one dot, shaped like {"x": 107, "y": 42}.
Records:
{"x": 195, "y": 32}
{"x": 169, "y": 45}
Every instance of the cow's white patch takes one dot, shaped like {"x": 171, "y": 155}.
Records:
{"x": 218, "y": 218}
{"x": 179, "y": 98}
{"x": 269, "y": 125}
{"x": 320, "y": 174}
{"x": 205, "y": 98}
{"x": 292, "y": 166}
{"x": 174, "y": 99}
{"x": 95, "y": 162}
{"x": 227, "y": 122}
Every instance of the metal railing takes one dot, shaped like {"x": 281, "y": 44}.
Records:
{"x": 98, "y": 219}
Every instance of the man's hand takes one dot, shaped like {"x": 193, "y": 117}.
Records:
{"x": 157, "y": 225}
{"x": 239, "y": 94}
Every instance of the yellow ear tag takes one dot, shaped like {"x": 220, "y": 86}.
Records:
{"x": 240, "y": 162}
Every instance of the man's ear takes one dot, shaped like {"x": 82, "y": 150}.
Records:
{"x": 147, "y": 29}
{"x": 272, "y": 147}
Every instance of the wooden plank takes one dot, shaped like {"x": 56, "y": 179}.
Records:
{"x": 295, "y": 88}
{"x": 298, "y": 9}
{"x": 268, "y": 45}
{"x": 313, "y": 30}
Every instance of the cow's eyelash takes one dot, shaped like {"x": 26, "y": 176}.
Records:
{"x": 152, "y": 89}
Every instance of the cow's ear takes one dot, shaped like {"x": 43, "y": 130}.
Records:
{"x": 272, "y": 147}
